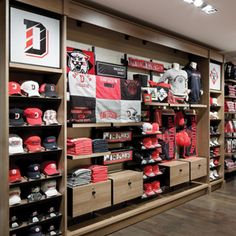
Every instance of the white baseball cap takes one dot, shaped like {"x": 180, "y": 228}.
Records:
{"x": 14, "y": 196}
{"x": 30, "y": 88}
{"x": 147, "y": 128}
{"x": 15, "y": 144}
{"x": 50, "y": 117}
{"x": 49, "y": 188}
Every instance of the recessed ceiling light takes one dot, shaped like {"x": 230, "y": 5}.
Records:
{"x": 198, "y": 3}
{"x": 209, "y": 9}
{"x": 189, "y": 1}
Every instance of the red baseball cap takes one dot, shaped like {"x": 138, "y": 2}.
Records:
{"x": 33, "y": 144}
{"x": 50, "y": 168}
{"x": 14, "y": 175}
{"x": 33, "y": 116}
{"x": 14, "y": 88}
{"x": 147, "y": 142}
{"x": 155, "y": 127}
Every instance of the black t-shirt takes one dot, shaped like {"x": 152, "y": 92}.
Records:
{"x": 194, "y": 84}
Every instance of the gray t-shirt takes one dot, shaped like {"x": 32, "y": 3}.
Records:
{"x": 178, "y": 79}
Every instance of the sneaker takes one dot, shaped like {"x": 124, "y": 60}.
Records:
{"x": 216, "y": 162}
{"x": 212, "y": 164}
{"x": 156, "y": 187}
{"x": 215, "y": 141}
{"x": 148, "y": 190}
{"x": 212, "y": 177}
{"x": 212, "y": 144}
{"x": 148, "y": 171}
{"x": 215, "y": 173}
{"x": 156, "y": 170}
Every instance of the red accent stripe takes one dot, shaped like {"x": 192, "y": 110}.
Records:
{"x": 29, "y": 33}
{"x": 29, "y": 43}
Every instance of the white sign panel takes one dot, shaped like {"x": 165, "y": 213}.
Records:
{"x": 215, "y": 76}
{"x": 34, "y": 39}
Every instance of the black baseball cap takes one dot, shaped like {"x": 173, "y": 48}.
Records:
{"x": 50, "y": 142}
{"x": 16, "y": 117}
{"x": 50, "y": 90}
{"x": 35, "y": 231}
{"x": 33, "y": 171}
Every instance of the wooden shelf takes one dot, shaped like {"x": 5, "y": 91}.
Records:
{"x": 35, "y": 126}
{"x": 230, "y": 112}
{"x": 216, "y": 146}
{"x": 230, "y": 170}
{"x": 24, "y": 202}
{"x": 44, "y": 220}
{"x": 89, "y": 125}
{"x": 26, "y": 181}
{"x": 215, "y": 135}
{"x": 34, "y": 69}
{"x": 216, "y": 181}
{"x": 213, "y": 167}
{"x": 230, "y": 153}
{"x": 34, "y": 99}
{"x": 35, "y": 153}
{"x": 159, "y": 104}
{"x": 73, "y": 157}
{"x": 198, "y": 106}
{"x": 230, "y": 137}
{"x": 128, "y": 124}
{"x": 179, "y": 105}
{"x": 215, "y": 91}
{"x": 232, "y": 97}
{"x": 215, "y": 107}
{"x": 230, "y": 81}
{"x": 215, "y": 156}
{"x": 215, "y": 120}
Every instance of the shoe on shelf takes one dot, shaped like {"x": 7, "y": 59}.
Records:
{"x": 212, "y": 144}
{"x": 156, "y": 187}
{"x": 215, "y": 141}
{"x": 212, "y": 163}
{"x": 148, "y": 191}
{"x": 215, "y": 173}
{"x": 212, "y": 177}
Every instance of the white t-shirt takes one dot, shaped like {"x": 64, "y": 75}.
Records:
{"x": 178, "y": 79}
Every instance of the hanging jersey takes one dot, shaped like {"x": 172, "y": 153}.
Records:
{"x": 194, "y": 84}
{"x": 178, "y": 79}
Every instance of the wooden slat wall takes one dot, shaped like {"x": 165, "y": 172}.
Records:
{"x": 4, "y": 159}
{"x": 95, "y": 17}
{"x": 56, "y": 6}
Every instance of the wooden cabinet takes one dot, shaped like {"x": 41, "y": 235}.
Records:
{"x": 126, "y": 185}
{"x": 90, "y": 197}
{"x": 177, "y": 172}
{"x": 197, "y": 167}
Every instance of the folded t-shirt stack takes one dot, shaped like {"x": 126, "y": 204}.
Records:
{"x": 79, "y": 146}
{"x": 100, "y": 145}
{"x": 79, "y": 177}
{"x": 99, "y": 173}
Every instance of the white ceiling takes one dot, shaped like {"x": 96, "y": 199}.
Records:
{"x": 217, "y": 30}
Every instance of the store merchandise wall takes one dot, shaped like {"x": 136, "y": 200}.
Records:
{"x": 109, "y": 46}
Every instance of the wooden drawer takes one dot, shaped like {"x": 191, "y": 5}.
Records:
{"x": 197, "y": 167}
{"x": 178, "y": 172}
{"x": 126, "y": 185}
{"x": 88, "y": 198}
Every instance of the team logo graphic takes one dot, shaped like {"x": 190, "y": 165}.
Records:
{"x": 214, "y": 75}
{"x": 17, "y": 116}
{"x": 78, "y": 62}
{"x": 133, "y": 114}
{"x": 36, "y": 46}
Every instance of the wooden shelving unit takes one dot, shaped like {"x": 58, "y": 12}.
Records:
{"x": 71, "y": 12}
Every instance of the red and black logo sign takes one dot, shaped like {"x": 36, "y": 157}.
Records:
{"x": 42, "y": 49}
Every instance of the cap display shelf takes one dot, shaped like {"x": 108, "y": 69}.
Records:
{"x": 33, "y": 68}
{"x": 25, "y": 180}
{"x": 25, "y": 203}
{"x": 45, "y": 220}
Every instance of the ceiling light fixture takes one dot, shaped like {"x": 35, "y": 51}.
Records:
{"x": 207, "y": 8}
{"x": 198, "y": 3}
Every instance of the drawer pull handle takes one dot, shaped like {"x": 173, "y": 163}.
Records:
{"x": 93, "y": 192}
{"x": 180, "y": 170}
{"x": 129, "y": 182}
{"x": 199, "y": 165}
